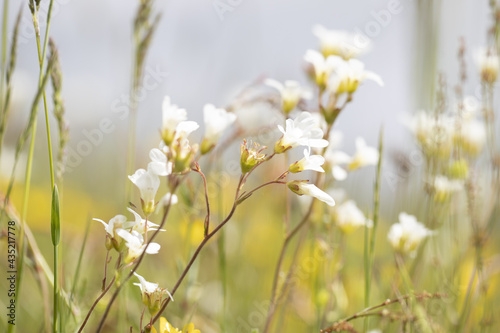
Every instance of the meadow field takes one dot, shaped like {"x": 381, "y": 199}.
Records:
{"x": 235, "y": 166}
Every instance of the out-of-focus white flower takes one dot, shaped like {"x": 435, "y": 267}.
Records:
{"x": 291, "y": 93}
{"x": 140, "y": 224}
{"x": 216, "y": 122}
{"x": 308, "y": 162}
{"x": 301, "y": 131}
{"x": 348, "y": 75}
{"x": 434, "y": 133}
{"x": 169, "y": 198}
{"x": 471, "y": 136}
{"x": 159, "y": 164}
{"x": 406, "y": 235}
{"x": 348, "y": 217}
{"x": 148, "y": 183}
{"x": 489, "y": 64}
{"x": 321, "y": 67}
{"x": 152, "y": 295}
{"x": 185, "y": 128}
{"x": 301, "y": 187}
{"x": 340, "y": 43}
{"x": 444, "y": 187}
{"x": 135, "y": 244}
{"x": 335, "y": 158}
{"x": 172, "y": 116}
{"x": 364, "y": 155}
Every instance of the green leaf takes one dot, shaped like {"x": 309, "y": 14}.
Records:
{"x": 55, "y": 218}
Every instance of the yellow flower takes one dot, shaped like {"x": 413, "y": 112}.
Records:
{"x": 166, "y": 327}
{"x": 189, "y": 328}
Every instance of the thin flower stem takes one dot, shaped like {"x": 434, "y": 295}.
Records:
{"x": 207, "y": 218}
{"x": 108, "y": 259}
{"x": 205, "y": 241}
{"x": 274, "y": 289}
{"x": 95, "y": 304}
{"x": 369, "y": 310}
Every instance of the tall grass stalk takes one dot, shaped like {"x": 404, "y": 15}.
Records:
{"x": 55, "y": 229}
{"x": 5, "y": 96}
{"x": 5, "y": 23}
{"x": 370, "y": 236}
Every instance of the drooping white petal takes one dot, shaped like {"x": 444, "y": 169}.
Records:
{"x": 159, "y": 164}
{"x": 314, "y": 191}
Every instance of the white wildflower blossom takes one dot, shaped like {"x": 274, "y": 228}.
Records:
{"x": 159, "y": 164}
{"x": 363, "y": 156}
{"x": 291, "y": 93}
{"x": 308, "y": 162}
{"x": 348, "y": 75}
{"x": 336, "y": 158}
{"x": 348, "y": 217}
{"x": 301, "y": 187}
{"x": 140, "y": 224}
{"x": 489, "y": 64}
{"x": 301, "y": 131}
{"x": 152, "y": 295}
{"x": 135, "y": 244}
{"x": 434, "y": 133}
{"x": 148, "y": 183}
{"x": 406, "y": 235}
{"x": 321, "y": 67}
{"x": 341, "y": 43}
{"x": 216, "y": 122}
{"x": 444, "y": 187}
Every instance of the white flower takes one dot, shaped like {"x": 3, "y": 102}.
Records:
{"x": 301, "y": 187}
{"x": 349, "y": 217}
{"x": 364, "y": 155}
{"x": 216, "y": 122}
{"x": 335, "y": 158}
{"x": 185, "y": 128}
{"x": 140, "y": 224}
{"x": 117, "y": 222}
{"x": 152, "y": 295}
{"x": 341, "y": 43}
{"x": 348, "y": 75}
{"x": 135, "y": 244}
{"x": 172, "y": 115}
{"x": 406, "y": 235}
{"x": 169, "y": 198}
{"x": 148, "y": 183}
{"x": 444, "y": 187}
{"x": 471, "y": 136}
{"x": 301, "y": 131}
{"x": 291, "y": 93}
{"x": 309, "y": 162}
{"x": 159, "y": 164}
{"x": 434, "y": 133}
{"x": 489, "y": 64}
{"x": 321, "y": 67}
